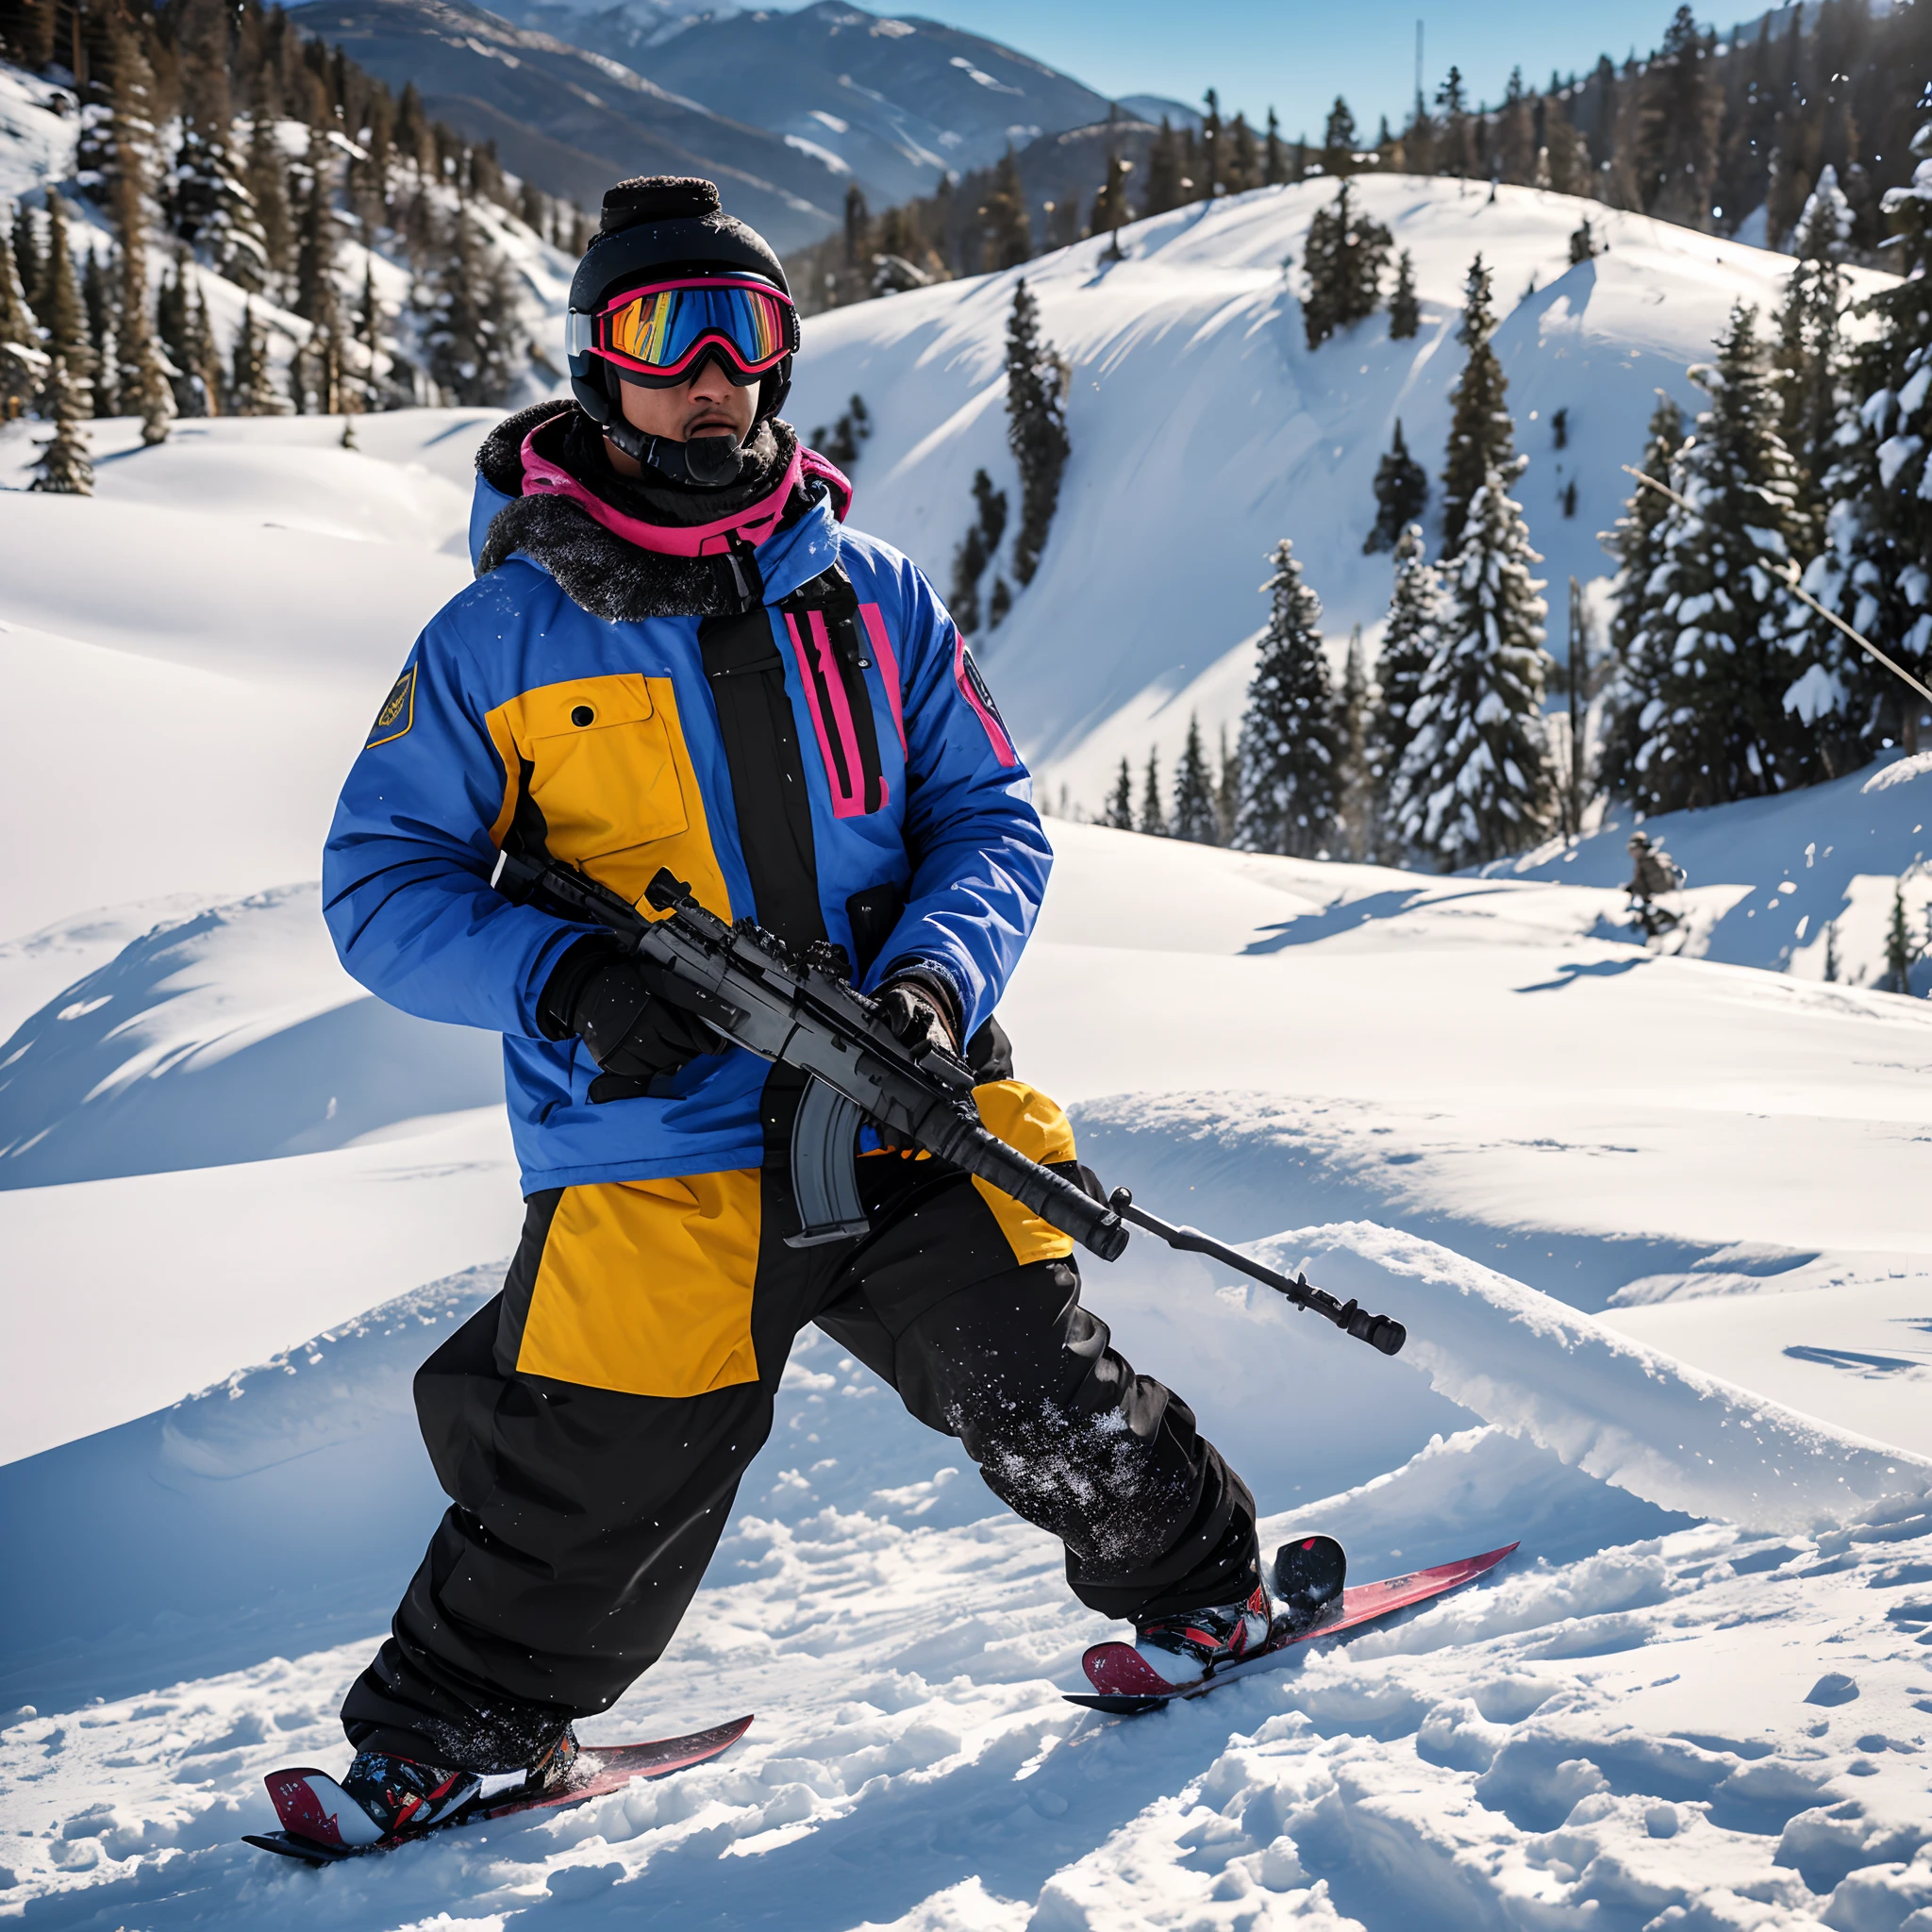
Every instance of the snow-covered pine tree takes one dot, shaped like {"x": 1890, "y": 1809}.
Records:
{"x": 143, "y": 374}
{"x": 1404, "y": 310}
{"x": 316, "y": 298}
{"x": 1718, "y": 728}
{"x": 1476, "y": 782}
{"x": 1343, "y": 259}
{"x": 1409, "y": 642}
{"x": 1006, "y": 233}
{"x": 1339, "y": 140}
{"x": 1227, "y": 790}
{"x": 212, "y": 208}
{"x": 1809, "y": 352}
{"x": 268, "y": 187}
{"x": 1639, "y": 643}
{"x": 470, "y": 330}
{"x": 1681, "y": 114}
{"x": 1163, "y": 189}
{"x": 1152, "y": 812}
{"x": 63, "y": 315}
{"x": 1873, "y": 569}
{"x": 369, "y": 337}
{"x": 1110, "y": 214}
{"x": 975, "y": 551}
{"x": 22, "y": 362}
{"x": 1274, "y": 155}
{"x": 253, "y": 381}
{"x": 1351, "y": 710}
{"x": 1242, "y": 169}
{"x": 1481, "y": 438}
{"x": 1120, "y": 805}
{"x": 1291, "y": 752}
{"x": 1901, "y": 951}
{"x": 198, "y": 387}
{"x": 1037, "y": 380}
{"x": 1195, "y": 817}
{"x": 62, "y": 468}
{"x": 1402, "y": 486}
{"x": 27, "y": 261}
{"x": 103, "y": 333}
{"x": 1207, "y": 176}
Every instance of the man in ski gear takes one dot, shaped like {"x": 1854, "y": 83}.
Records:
{"x": 677, "y": 655}
{"x": 1654, "y": 873}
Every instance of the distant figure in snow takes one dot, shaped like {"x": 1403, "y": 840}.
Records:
{"x": 678, "y": 653}
{"x": 1655, "y": 872}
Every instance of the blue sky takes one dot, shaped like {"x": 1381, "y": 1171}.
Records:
{"x": 1299, "y": 53}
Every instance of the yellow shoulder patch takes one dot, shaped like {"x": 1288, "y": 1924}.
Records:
{"x": 398, "y": 711}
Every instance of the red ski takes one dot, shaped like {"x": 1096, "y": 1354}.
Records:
{"x": 598, "y": 1769}
{"x": 1124, "y": 1684}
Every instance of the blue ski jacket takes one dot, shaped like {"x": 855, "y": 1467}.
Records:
{"x": 519, "y": 705}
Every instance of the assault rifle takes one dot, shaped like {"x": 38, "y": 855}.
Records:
{"x": 799, "y": 1008}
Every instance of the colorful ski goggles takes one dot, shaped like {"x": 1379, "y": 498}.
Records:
{"x": 655, "y": 335}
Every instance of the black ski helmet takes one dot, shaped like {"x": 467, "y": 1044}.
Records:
{"x": 663, "y": 224}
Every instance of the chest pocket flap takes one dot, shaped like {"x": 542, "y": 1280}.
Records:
{"x": 601, "y": 769}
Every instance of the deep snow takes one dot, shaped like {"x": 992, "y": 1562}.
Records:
{"x": 1657, "y": 1221}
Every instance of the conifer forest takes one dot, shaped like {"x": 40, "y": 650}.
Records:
{"x": 221, "y": 143}
{"x": 378, "y": 257}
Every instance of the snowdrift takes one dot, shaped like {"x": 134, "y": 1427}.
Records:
{"x": 294, "y": 1496}
{"x": 230, "y": 1036}
{"x": 1203, "y": 429}
{"x": 225, "y": 615}
{"x": 1600, "y": 1403}
{"x": 1536, "y": 1735}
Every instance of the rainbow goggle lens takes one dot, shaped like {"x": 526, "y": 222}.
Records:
{"x": 656, "y": 335}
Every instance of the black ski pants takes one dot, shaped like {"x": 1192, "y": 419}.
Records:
{"x": 592, "y": 1422}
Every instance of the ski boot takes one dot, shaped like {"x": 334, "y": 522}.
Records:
{"x": 1308, "y": 1577}
{"x": 1171, "y": 1653}
{"x": 384, "y": 1798}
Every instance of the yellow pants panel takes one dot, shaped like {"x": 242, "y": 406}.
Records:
{"x": 1032, "y": 1125}
{"x": 646, "y": 1287}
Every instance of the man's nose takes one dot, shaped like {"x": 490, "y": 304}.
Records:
{"x": 709, "y": 383}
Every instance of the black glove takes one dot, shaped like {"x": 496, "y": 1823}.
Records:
{"x": 919, "y": 1011}
{"x": 597, "y": 993}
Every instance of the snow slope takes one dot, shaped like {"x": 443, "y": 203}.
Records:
{"x": 1203, "y": 429}
{"x": 1657, "y": 1226}
{"x": 1767, "y": 877}
{"x": 1636, "y": 1718}
{"x": 203, "y": 644}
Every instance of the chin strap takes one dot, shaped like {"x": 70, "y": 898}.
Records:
{"x": 705, "y": 462}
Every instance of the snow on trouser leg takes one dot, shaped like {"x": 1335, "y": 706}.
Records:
{"x": 590, "y": 1424}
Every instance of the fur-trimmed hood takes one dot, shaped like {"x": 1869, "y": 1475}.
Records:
{"x": 623, "y": 581}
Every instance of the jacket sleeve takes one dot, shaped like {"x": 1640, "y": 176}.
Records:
{"x": 979, "y": 854}
{"x": 406, "y": 872}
